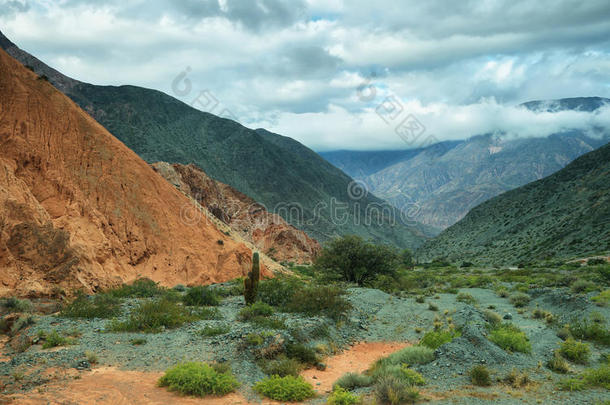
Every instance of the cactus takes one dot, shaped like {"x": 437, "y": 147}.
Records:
{"x": 251, "y": 282}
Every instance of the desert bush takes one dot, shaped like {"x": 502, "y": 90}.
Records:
{"x": 432, "y": 307}
{"x": 589, "y": 330}
{"x": 590, "y": 378}
{"x": 16, "y": 305}
{"x": 410, "y": 355}
{"x": 603, "y": 298}
{"x": 502, "y": 292}
{"x": 286, "y": 388}
{"x": 339, "y": 396}
{"x": 492, "y": 317}
{"x": 351, "y": 259}
{"x": 582, "y": 286}
{"x": 420, "y": 299}
{"x": 437, "y": 338}
{"x": 517, "y": 379}
{"x": 302, "y": 353}
{"x": 268, "y": 322}
{"x": 351, "y": 381}
{"x": 198, "y": 379}
{"x": 99, "y": 306}
{"x": 282, "y": 367}
{"x": 54, "y": 339}
{"x": 278, "y": 291}
{"x": 91, "y": 357}
{"x": 257, "y": 309}
{"x": 519, "y": 300}
{"x": 479, "y": 375}
{"x": 394, "y": 391}
{"x": 201, "y": 296}
{"x": 400, "y": 371}
{"x": 254, "y": 339}
{"x": 320, "y": 299}
{"x": 596, "y": 261}
{"x": 510, "y": 338}
{"x": 155, "y": 315}
{"x": 571, "y": 384}
{"x": 466, "y": 298}
{"x": 140, "y": 288}
{"x": 575, "y": 351}
{"x": 214, "y": 330}
{"x": 558, "y": 363}
{"x": 138, "y": 341}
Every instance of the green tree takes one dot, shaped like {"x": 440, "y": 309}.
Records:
{"x": 406, "y": 257}
{"x": 352, "y": 259}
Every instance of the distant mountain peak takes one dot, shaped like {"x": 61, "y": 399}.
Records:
{"x": 587, "y": 104}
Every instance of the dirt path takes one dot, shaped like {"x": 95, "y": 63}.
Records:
{"x": 356, "y": 359}
{"x": 108, "y": 385}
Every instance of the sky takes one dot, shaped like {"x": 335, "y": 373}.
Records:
{"x": 338, "y": 74}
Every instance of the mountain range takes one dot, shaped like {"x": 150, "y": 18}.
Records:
{"x": 564, "y": 215}
{"x": 278, "y": 172}
{"x": 445, "y": 180}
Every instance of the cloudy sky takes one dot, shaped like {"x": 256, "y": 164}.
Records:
{"x": 337, "y": 74}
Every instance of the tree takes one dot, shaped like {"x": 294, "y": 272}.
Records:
{"x": 406, "y": 257}
{"x": 352, "y": 259}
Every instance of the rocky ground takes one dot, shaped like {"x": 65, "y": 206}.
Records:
{"x": 376, "y": 317}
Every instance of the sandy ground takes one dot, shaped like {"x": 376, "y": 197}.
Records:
{"x": 356, "y": 359}
{"x": 108, "y": 385}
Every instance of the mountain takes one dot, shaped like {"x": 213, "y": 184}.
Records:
{"x": 268, "y": 232}
{"x": 443, "y": 184}
{"x": 564, "y": 215}
{"x": 278, "y": 172}
{"x": 360, "y": 164}
{"x": 78, "y": 209}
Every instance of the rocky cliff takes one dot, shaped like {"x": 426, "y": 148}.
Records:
{"x": 267, "y": 231}
{"x": 78, "y": 209}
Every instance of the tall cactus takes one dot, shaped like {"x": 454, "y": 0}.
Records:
{"x": 251, "y": 282}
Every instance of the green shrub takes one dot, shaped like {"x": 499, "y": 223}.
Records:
{"x": 420, "y": 299}
{"x": 519, "y": 300}
{"x": 400, "y": 371}
{"x": 466, "y": 298}
{"x": 138, "y": 341}
{"x": 351, "y": 381}
{"x": 140, "y": 288}
{"x": 492, "y": 317}
{"x": 339, "y": 396}
{"x": 154, "y": 315}
{"x": 510, "y": 338}
{"x": 99, "y": 306}
{"x": 432, "y": 307}
{"x": 16, "y": 305}
{"x": 409, "y": 355}
{"x": 597, "y": 377}
{"x": 596, "y": 261}
{"x": 558, "y": 363}
{"x": 502, "y": 292}
{"x": 54, "y": 339}
{"x": 288, "y": 388}
{"x": 351, "y": 259}
{"x": 479, "y": 375}
{"x": 437, "y": 338}
{"x": 282, "y": 367}
{"x": 268, "y": 323}
{"x": 589, "y": 330}
{"x": 302, "y": 353}
{"x": 201, "y": 296}
{"x": 279, "y": 291}
{"x": 198, "y": 379}
{"x": 320, "y": 299}
{"x": 603, "y": 298}
{"x": 214, "y": 330}
{"x": 577, "y": 352}
{"x": 254, "y": 339}
{"x": 571, "y": 384}
{"x": 394, "y": 391}
{"x": 257, "y": 309}
{"x": 583, "y": 286}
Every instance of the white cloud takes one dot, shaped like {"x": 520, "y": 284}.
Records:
{"x": 295, "y": 66}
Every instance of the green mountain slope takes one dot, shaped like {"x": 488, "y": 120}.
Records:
{"x": 285, "y": 176}
{"x": 563, "y": 215}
